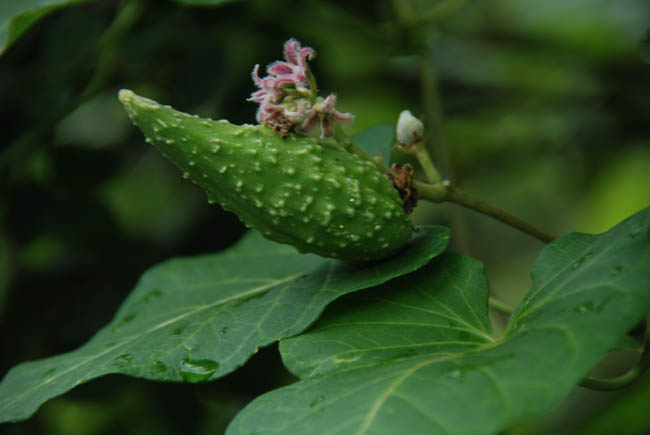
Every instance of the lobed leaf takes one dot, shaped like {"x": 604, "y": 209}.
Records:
{"x": 196, "y": 319}
{"x": 440, "y": 309}
{"x": 417, "y": 352}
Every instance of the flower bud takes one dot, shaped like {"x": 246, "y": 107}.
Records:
{"x": 410, "y": 129}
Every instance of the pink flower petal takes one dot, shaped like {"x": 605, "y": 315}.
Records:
{"x": 343, "y": 117}
{"x": 280, "y": 68}
{"x": 258, "y": 96}
{"x": 306, "y": 54}
{"x": 309, "y": 121}
{"x": 255, "y": 75}
{"x": 281, "y": 81}
{"x": 291, "y": 50}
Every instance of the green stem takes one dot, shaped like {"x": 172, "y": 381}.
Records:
{"x": 128, "y": 13}
{"x": 621, "y": 381}
{"x": 407, "y": 17}
{"x": 427, "y": 164}
{"x": 312, "y": 85}
{"x": 436, "y": 141}
{"x": 500, "y": 306}
{"x": 444, "y": 192}
{"x": 430, "y": 192}
{"x": 464, "y": 199}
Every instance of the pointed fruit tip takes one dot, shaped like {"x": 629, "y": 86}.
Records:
{"x": 130, "y": 100}
{"x": 125, "y": 95}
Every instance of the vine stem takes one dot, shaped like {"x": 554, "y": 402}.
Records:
{"x": 446, "y": 192}
{"x": 427, "y": 164}
{"x": 500, "y": 306}
{"x": 436, "y": 142}
{"x": 469, "y": 201}
{"x": 439, "y": 191}
{"x": 625, "y": 379}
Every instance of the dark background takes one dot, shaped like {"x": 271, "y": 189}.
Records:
{"x": 545, "y": 110}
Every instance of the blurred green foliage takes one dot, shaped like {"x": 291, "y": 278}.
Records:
{"x": 545, "y": 114}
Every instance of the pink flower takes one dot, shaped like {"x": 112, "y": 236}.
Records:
{"x": 282, "y": 78}
{"x": 295, "y": 68}
{"x": 326, "y": 114}
{"x": 287, "y": 95}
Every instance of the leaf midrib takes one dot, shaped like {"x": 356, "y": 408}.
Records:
{"x": 128, "y": 340}
{"x": 397, "y": 382}
{"x": 402, "y": 378}
{"x": 544, "y": 299}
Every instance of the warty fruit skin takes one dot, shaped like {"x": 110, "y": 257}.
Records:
{"x": 315, "y": 196}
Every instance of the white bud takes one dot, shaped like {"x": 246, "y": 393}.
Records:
{"x": 409, "y": 129}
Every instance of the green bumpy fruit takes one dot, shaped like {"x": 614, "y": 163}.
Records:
{"x": 315, "y": 196}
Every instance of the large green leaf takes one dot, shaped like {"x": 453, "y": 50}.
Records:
{"x": 197, "y": 319}
{"x": 439, "y": 310}
{"x": 416, "y": 353}
{"x": 16, "y": 16}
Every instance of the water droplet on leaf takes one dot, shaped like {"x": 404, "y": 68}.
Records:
{"x": 587, "y": 307}
{"x": 316, "y": 401}
{"x": 125, "y": 358}
{"x": 617, "y": 270}
{"x": 159, "y": 366}
{"x": 156, "y": 293}
{"x": 635, "y": 233}
{"x": 576, "y": 264}
{"x": 48, "y": 372}
{"x": 123, "y": 321}
{"x": 179, "y": 330}
{"x": 197, "y": 370}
